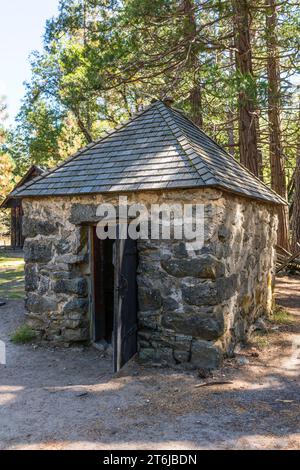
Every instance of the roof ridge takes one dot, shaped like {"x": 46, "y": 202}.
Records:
{"x": 185, "y": 143}
{"x": 229, "y": 155}
{"x": 83, "y": 149}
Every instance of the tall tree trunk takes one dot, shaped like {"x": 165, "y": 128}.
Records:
{"x": 247, "y": 92}
{"x": 190, "y": 33}
{"x": 254, "y": 34}
{"x": 278, "y": 179}
{"x": 230, "y": 131}
{"x": 296, "y": 205}
{"x": 196, "y": 104}
{"x": 231, "y": 113}
{"x": 259, "y": 152}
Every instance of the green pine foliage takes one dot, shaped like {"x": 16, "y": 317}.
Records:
{"x": 103, "y": 60}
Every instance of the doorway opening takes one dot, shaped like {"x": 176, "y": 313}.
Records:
{"x": 114, "y": 296}
{"x": 103, "y": 290}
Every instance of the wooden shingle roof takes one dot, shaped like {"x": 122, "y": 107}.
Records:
{"x": 159, "y": 148}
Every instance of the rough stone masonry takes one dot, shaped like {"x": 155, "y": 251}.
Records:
{"x": 193, "y": 307}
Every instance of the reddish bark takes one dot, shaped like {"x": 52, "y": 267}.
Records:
{"x": 247, "y": 92}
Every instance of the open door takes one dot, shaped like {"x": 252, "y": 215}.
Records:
{"x": 103, "y": 289}
{"x": 125, "y": 305}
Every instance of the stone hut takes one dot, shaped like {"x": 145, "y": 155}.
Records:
{"x": 154, "y": 297}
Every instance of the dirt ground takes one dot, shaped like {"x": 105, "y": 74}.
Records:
{"x": 69, "y": 399}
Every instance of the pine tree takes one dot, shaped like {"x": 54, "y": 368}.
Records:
{"x": 296, "y": 202}
{"x": 6, "y": 172}
{"x": 277, "y": 163}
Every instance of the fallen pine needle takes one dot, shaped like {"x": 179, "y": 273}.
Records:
{"x": 285, "y": 401}
{"x": 208, "y": 384}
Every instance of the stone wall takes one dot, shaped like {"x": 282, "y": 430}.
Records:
{"x": 196, "y": 309}
{"x": 56, "y": 269}
{"x": 193, "y": 307}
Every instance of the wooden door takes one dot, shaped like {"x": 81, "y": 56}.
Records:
{"x": 125, "y": 310}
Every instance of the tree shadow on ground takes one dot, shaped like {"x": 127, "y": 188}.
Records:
{"x": 69, "y": 398}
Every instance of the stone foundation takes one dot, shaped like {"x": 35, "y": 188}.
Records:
{"x": 193, "y": 306}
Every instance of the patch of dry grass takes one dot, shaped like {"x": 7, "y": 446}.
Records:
{"x": 11, "y": 276}
{"x": 281, "y": 316}
{"x": 260, "y": 339}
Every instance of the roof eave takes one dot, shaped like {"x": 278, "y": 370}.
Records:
{"x": 274, "y": 201}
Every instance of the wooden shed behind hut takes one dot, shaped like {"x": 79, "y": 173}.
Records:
{"x": 15, "y": 204}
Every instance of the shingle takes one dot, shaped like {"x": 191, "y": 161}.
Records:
{"x": 158, "y": 148}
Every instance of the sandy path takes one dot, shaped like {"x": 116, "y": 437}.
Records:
{"x": 68, "y": 399}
